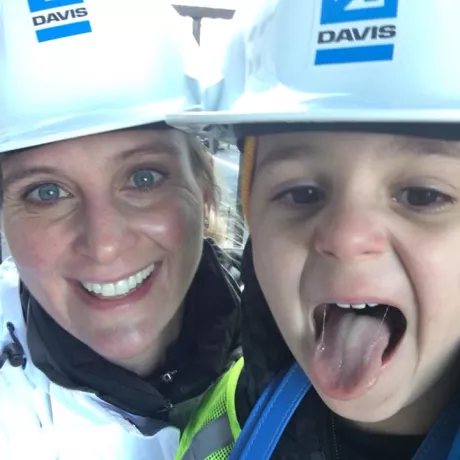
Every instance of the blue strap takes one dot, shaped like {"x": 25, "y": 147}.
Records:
{"x": 269, "y": 418}
{"x": 254, "y": 417}
{"x": 455, "y": 451}
{"x": 443, "y": 440}
{"x": 275, "y": 407}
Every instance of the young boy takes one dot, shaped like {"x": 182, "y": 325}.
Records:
{"x": 351, "y": 186}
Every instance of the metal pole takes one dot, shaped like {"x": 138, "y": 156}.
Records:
{"x": 204, "y": 12}
{"x": 197, "y": 29}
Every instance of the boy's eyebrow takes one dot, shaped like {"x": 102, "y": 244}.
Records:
{"x": 426, "y": 146}
{"x": 291, "y": 152}
{"x": 415, "y": 145}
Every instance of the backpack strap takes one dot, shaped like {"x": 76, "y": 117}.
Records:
{"x": 271, "y": 414}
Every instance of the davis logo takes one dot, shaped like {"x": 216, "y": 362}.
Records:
{"x": 64, "y": 21}
{"x": 364, "y": 42}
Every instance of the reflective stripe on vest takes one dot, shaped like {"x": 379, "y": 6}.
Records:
{"x": 213, "y": 428}
{"x": 211, "y": 438}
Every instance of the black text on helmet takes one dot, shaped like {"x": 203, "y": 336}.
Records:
{"x": 355, "y": 34}
{"x": 59, "y": 16}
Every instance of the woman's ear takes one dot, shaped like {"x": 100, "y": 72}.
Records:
{"x": 207, "y": 198}
{"x": 207, "y": 214}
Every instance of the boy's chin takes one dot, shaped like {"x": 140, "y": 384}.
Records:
{"x": 382, "y": 401}
{"x": 364, "y": 410}
{"x": 381, "y": 410}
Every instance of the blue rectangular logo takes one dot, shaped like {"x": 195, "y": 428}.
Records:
{"x": 339, "y": 11}
{"x": 42, "y": 5}
{"x": 60, "y": 23}
{"x": 66, "y": 30}
{"x": 363, "y": 41}
{"x": 354, "y": 54}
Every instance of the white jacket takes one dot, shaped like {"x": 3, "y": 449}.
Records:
{"x": 40, "y": 420}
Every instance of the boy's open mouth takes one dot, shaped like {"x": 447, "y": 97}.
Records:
{"x": 354, "y": 342}
{"x": 391, "y": 316}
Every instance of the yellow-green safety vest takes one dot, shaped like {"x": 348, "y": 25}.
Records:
{"x": 213, "y": 429}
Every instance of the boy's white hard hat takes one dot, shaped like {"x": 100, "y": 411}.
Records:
{"x": 70, "y": 68}
{"x": 337, "y": 61}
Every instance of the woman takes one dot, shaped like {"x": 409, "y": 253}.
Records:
{"x": 351, "y": 187}
{"x": 116, "y": 314}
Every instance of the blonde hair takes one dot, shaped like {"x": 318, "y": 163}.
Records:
{"x": 203, "y": 166}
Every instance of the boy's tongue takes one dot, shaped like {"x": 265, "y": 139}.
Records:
{"x": 348, "y": 358}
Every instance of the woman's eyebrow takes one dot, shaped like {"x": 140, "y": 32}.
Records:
{"x": 25, "y": 173}
{"x": 153, "y": 147}
{"x": 157, "y": 146}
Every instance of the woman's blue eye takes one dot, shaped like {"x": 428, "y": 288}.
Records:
{"x": 145, "y": 178}
{"x": 47, "y": 194}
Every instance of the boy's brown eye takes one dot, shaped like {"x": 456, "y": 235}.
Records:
{"x": 420, "y": 197}
{"x": 305, "y": 194}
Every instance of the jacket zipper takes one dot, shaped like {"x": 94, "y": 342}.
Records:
{"x": 334, "y": 438}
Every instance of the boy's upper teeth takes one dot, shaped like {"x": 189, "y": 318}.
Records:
{"x": 119, "y": 287}
{"x": 358, "y": 306}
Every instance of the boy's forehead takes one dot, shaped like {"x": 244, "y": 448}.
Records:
{"x": 285, "y": 146}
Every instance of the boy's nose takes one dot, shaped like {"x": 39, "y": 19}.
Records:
{"x": 350, "y": 235}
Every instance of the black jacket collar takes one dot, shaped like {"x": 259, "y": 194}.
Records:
{"x": 209, "y": 336}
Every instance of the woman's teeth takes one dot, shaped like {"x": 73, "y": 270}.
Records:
{"x": 121, "y": 287}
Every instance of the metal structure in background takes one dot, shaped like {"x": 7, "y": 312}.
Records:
{"x": 197, "y": 13}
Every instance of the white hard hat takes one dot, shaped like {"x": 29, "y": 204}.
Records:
{"x": 338, "y": 61}
{"x": 70, "y": 68}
